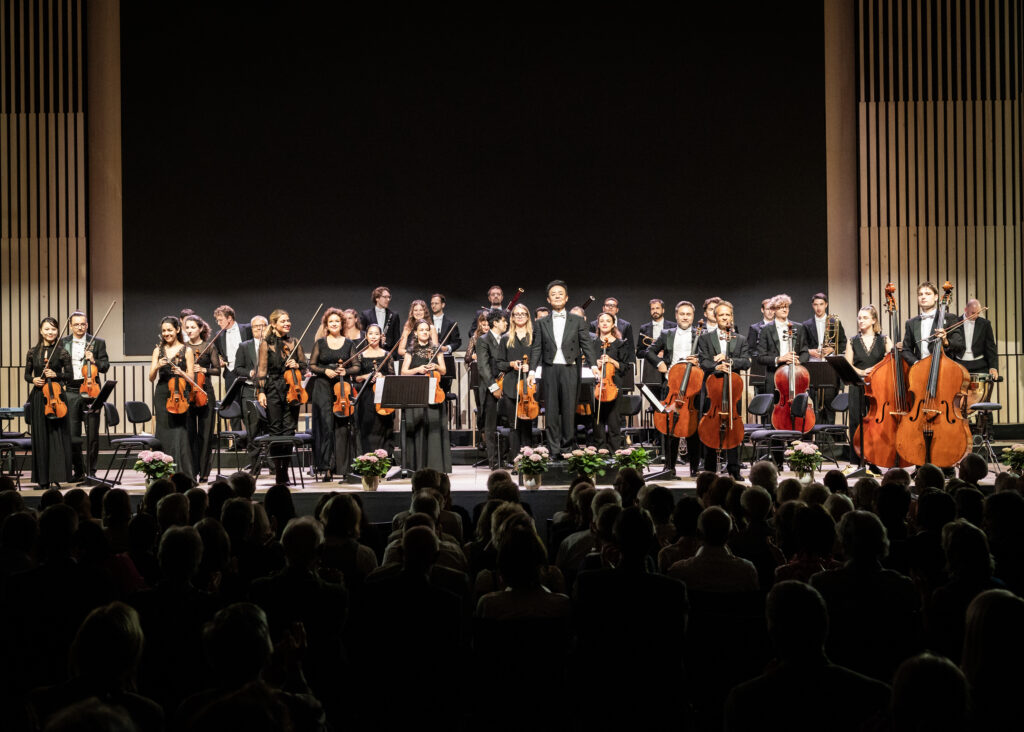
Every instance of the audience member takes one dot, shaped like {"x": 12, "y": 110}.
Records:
{"x": 1004, "y": 526}
{"x": 183, "y": 483}
{"x": 714, "y": 568}
{"x": 172, "y": 510}
{"x": 814, "y": 494}
{"x": 929, "y": 693}
{"x": 973, "y": 468}
{"x": 754, "y": 542}
{"x": 154, "y": 492}
{"x": 993, "y": 647}
{"x": 658, "y": 501}
{"x": 925, "y": 554}
{"x": 970, "y": 505}
{"x": 788, "y": 490}
{"x": 684, "y": 520}
{"x": 243, "y": 484}
{"x": 17, "y": 544}
{"x": 815, "y": 535}
{"x": 765, "y": 473}
{"x": 197, "y": 505}
{"x": 705, "y": 479}
{"x": 836, "y": 481}
{"x": 576, "y": 546}
{"x": 280, "y": 507}
{"x": 866, "y": 489}
{"x": 220, "y": 492}
{"x": 342, "y": 551}
{"x": 628, "y": 483}
{"x": 521, "y": 558}
{"x": 838, "y": 505}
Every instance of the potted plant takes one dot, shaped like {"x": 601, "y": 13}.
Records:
{"x": 155, "y": 465}
{"x": 1013, "y": 456}
{"x": 803, "y": 458}
{"x": 371, "y": 467}
{"x": 588, "y": 461}
{"x": 632, "y": 457}
{"x": 532, "y": 462}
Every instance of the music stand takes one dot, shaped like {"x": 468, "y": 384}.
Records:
{"x": 822, "y": 376}
{"x": 95, "y": 407}
{"x": 847, "y": 375}
{"x": 219, "y": 406}
{"x": 404, "y": 392}
{"x": 657, "y": 406}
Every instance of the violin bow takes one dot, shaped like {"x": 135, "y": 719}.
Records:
{"x": 957, "y": 324}
{"x": 88, "y": 346}
{"x": 56, "y": 343}
{"x": 306, "y": 329}
{"x": 376, "y": 371}
{"x": 441, "y": 344}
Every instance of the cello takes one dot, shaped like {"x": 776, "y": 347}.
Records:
{"x": 935, "y": 429}
{"x": 790, "y": 381}
{"x": 682, "y": 414}
{"x": 720, "y": 428}
{"x": 885, "y": 392}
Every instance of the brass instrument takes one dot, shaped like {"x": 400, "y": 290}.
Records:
{"x": 831, "y": 336}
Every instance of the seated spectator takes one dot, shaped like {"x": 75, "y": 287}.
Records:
{"x": 714, "y": 568}
{"x": 505, "y": 518}
{"x": 873, "y": 612}
{"x": 865, "y": 489}
{"x": 92, "y": 714}
{"x": 342, "y": 551}
{"x": 838, "y": 505}
{"x": 197, "y": 505}
{"x": 755, "y": 542}
{"x": 928, "y": 476}
{"x": 280, "y": 508}
{"x": 788, "y": 490}
{"x": 450, "y": 554}
{"x": 1004, "y": 526}
{"x": 142, "y": 538}
{"x": 220, "y": 492}
{"x": 214, "y": 571}
{"x": 892, "y": 506}
{"x": 253, "y": 556}
{"x": 684, "y": 519}
{"x": 970, "y": 505}
{"x": 815, "y": 535}
{"x": 182, "y": 483}
{"x": 10, "y": 502}
{"x": 172, "y": 510}
{"x": 154, "y": 492}
{"x": 576, "y": 546}
{"x": 765, "y": 473}
{"x": 831, "y": 697}
{"x": 785, "y": 528}
{"x": 481, "y": 553}
{"x": 814, "y": 494}
{"x": 17, "y": 544}
{"x": 973, "y": 469}
{"x": 658, "y": 501}
{"x": 50, "y": 497}
{"x": 243, "y": 484}
{"x": 96, "y": 495}
{"x": 521, "y": 557}
{"x": 925, "y": 555}
{"x": 836, "y": 481}
{"x": 501, "y": 486}
{"x": 993, "y": 647}
{"x": 577, "y": 517}
{"x": 719, "y": 491}
{"x": 429, "y": 500}
{"x": 929, "y": 693}
{"x": 605, "y": 552}
{"x": 78, "y": 499}
{"x": 705, "y": 479}
{"x": 628, "y": 483}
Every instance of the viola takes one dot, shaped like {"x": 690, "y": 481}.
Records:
{"x": 791, "y": 381}
{"x": 683, "y": 413}
{"x": 935, "y": 429}
{"x": 198, "y": 396}
{"x": 885, "y": 391}
{"x": 527, "y": 406}
{"x": 177, "y": 398}
{"x": 297, "y": 394}
{"x": 721, "y": 428}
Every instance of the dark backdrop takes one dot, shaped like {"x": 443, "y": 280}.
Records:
{"x": 284, "y": 154}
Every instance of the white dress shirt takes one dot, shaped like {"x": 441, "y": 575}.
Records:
{"x": 558, "y": 327}
{"x": 784, "y": 345}
{"x": 819, "y": 326}
{"x": 382, "y": 315}
{"x": 968, "y": 336}
{"x": 232, "y": 337}
{"x": 77, "y": 356}
{"x": 656, "y": 327}
{"x": 926, "y": 329}
{"x": 682, "y": 345}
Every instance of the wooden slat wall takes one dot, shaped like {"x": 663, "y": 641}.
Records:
{"x": 42, "y": 175}
{"x": 939, "y": 137}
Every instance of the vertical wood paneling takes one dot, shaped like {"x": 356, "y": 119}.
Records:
{"x": 939, "y": 137}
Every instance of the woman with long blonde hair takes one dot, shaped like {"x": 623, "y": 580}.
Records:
{"x": 513, "y": 362}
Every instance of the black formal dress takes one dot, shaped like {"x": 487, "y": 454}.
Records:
{"x": 77, "y": 403}
{"x": 172, "y": 429}
{"x": 708, "y": 346}
{"x": 665, "y": 344}
{"x": 862, "y": 358}
{"x": 51, "y": 438}
{"x": 427, "y": 444}
{"x": 376, "y": 431}
{"x": 333, "y": 435}
{"x": 202, "y": 421}
{"x": 607, "y": 423}
{"x": 521, "y": 430}
{"x": 282, "y": 417}
{"x": 488, "y": 353}
{"x": 625, "y": 330}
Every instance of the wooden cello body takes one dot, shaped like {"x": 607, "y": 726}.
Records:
{"x": 791, "y": 380}
{"x": 721, "y": 427}
{"x": 683, "y": 415}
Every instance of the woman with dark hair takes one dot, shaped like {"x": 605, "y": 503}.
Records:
{"x": 51, "y": 437}
{"x": 279, "y": 352}
{"x": 170, "y": 358}
{"x": 352, "y": 326}
{"x": 426, "y": 428}
{"x": 616, "y": 354}
{"x": 201, "y": 419}
{"x": 280, "y": 507}
{"x": 333, "y": 435}
{"x": 376, "y": 430}
{"x": 417, "y": 312}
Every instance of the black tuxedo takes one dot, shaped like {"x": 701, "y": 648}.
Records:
{"x": 912, "y": 339}
{"x": 244, "y": 333}
{"x": 246, "y": 360}
{"x": 625, "y": 328}
{"x": 488, "y": 353}
{"x": 455, "y": 341}
{"x": 708, "y": 347}
{"x": 561, "y": 383}
{"x": 647, "y": 329}
{"x": 983, "y": 346}
{"x": 77, "y": 406}
{"x": 665, "y": 343}
{"x": 768, "y": 346}
{"x": 826, "y": 392}
{"x": 811, "y": 336}
{"x": 753, "y": 335}
{"x": 393, "y": 328}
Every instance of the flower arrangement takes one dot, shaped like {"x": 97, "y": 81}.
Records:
{"x": 632, "y": 457}
{"x": 155, "y": 464}
{"x": 1014, "y": 457}
{"x": 374, "y": 464}
{"x": 803, "y": 457}
{"x": 532, "y": 460}
{"x": 588, "y": 460}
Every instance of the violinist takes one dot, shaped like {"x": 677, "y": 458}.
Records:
{"x": 519, "y": 343}
{"x": 383, "y": 316}
{"x": 333, "y": 435}
{"x": 352, "y": 326}
{"x": 980, "y": 354}
{"x": 426, "y": 428}
{"x": 278, "y": 354}
{"x": 774, "y": 348}
{"x": 921, "y": 331}
{"x": 625, "y": 328}
{"x": 615, "y": 352}
{"x": 417, "y": 312}
{"x": 246, "y": 361}
{"x": 232, "y": 333}
{"x": 51, "y": 436}
{"x": 488, "y": 351}
{"x": 96, "y": 354}
{"x": 171, "y": 358}
{"x": 377, "y": 431}
{"x": 863, "y": 352}
{"x": 825, "y": 337}
{"x": 202, "y": 417}
{"x": 651, "y": 330}
{"x": 721, "y": 351}
{"x": 679, "y": 345}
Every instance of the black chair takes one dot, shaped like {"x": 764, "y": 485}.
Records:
{"x": 11, "y": 445}
{"x": 834, "y": 435}
{"x": 136, "y": 413}
{"x": 301, "y": 443}
{"x": 981, "y": 429}
{"x": 777, "y": 439}
{"x": 234, "y": 438}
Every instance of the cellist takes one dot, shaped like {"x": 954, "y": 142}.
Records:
{"x": 722, "y": 351}
{"x": 916, "y": 343}
{"x": 678, "y": 346}
{"x": 615, "y": 353}
{"x": 773, "y": 350}
{"x": 518, "y": 343}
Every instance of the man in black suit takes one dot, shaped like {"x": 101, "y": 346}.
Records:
{"x": 495, "y": 298}
{"x": 246, "y": 363}
{"x": 383, "y": 316}
{"x": 442, "y": 323}
{"x": 488, "y": 346}
{"x": 980, "y": 355}
{"x": 757, "y": 377}
{"x": 774, "y": 347}
{"x": 230, "y": 336}
{"x": 817, "y": 331}
{"x": 679, "y": 346}
{"x": 716, "y": 354}
{"x": 76, "y": 344}
{"x": 921, "y": 331}
{"x": 650, "y": 330}
{"x": 611, "y": 306}
{"x": 559, "y": 341}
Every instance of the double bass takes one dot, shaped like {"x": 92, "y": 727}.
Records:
{"x": 682, "y": 413}
{"x": 935, "y": 429}
{"x": 790, "y": 381}
{"x": 885, "y": 392}
{"x": 721, "y": 427}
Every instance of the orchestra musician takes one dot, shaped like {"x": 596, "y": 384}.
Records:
{"x": 816, "y": 330}
{"x": 651, "y": 330}
{"x": 559, "y": 342}
{"x": 75, "y": 344}
{"x": 541, "y": 311}
{"x": 383, "y": 316}
{"x": 471, "y": 359}
{"x": 679, "y": 345}
{"x": 980, "y": 355}
{"x": 754, "y": 331}
{"x": 709, "y": 313}
{"x": 278, "y": 353}
{"x": 170, "y": 358}
{"x": 201, "y": 422}
{"x": 426, "y": 428}
{"x": 488, "y": 351}
{"x": 230, "y": 336}
{"x": 333, "y": 437}
{"x": 377, "y": 431}
{"x": 246, "y": 362}
{"x": 352, "y": 326}
{"x": 715, "y": 350}
{"x": 51, "y": 436}
{"x": 443, "y": 324}
{"x": 863, "y": 352}
{"x": 495, "y": 298}
{"x": 617, "y": 351}
{"x": 916, "y": 332}
{"x": 518, "y": 343}
{"x": 625, "y": 328}
{"x": 417, "y": 312}
{"x": 774, "y": 350}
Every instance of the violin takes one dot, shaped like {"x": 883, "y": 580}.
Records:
{"x": 606, "y": 390}
{"x": 178, "y": 398}
{"x": 790, "y": 381}
{"x": 56, "y": 403}
{"x": 719, "y": 428}
{"x": 343, "y": 405}
{"x": 527, "y": 406}
{"x": 935, "y": 429}
{"x": 682, "y": 413}
{"x": 90, "y": 372}
{"x": 439, "y": 395}
{"x": 382, "y": 411}
{"x": 885, "y": 391}
{"x": 199, "y": 397}
{"x": 297, "y": 394}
